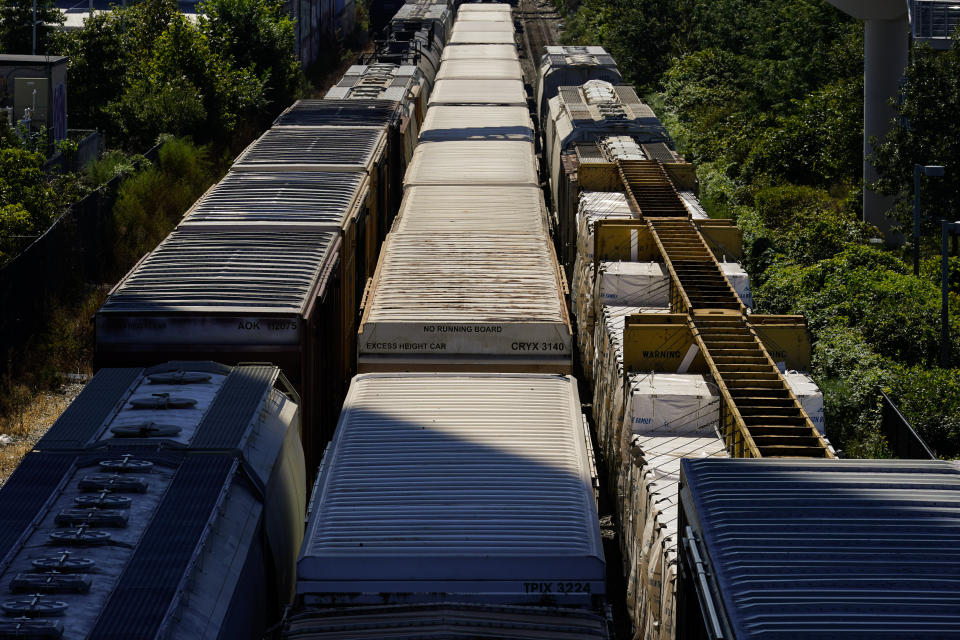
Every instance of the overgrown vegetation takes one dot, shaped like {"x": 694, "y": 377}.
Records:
{"x": 765, "y": 96}
{"x": 145, "y": 70}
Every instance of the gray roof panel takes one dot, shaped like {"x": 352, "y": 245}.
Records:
{"x": 818, "y": 549}
{"x": 313, "y": 148}
{"x": 316, "y": 199}
{"x": 227, "y": 271}
{"x": 343, "y": 113}
{"x": 455, "y": 483}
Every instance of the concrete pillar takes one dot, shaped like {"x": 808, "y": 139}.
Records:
{"x": 885, "y": 57}
{"x": 885, "y": 47}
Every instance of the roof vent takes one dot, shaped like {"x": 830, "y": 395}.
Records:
{"x": 146, "y": 430}
{"x": 126, "y": 465}
{"x": 50, "y": 583}
{"x": 34, "y": 607}
{"x": 80, "y": 537}
{"x": 103, "y": 500}
{"x": 179, "y": 377}
{"x": 31, "y": 629}
{"x": 91, "y": 517}
{"x": 162, "y": 401}
{"x": 63, "y": 563}
{"x": 113, "y": 482}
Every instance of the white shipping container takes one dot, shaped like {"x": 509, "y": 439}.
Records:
{"x": 639, "y": 284}
{"x": 595, "y": 206}
{"x": 485, "y": 16}
{"x": 739, "y": 280}
{"x": 474, "y": 162}
{"x": 480, "y": 70}
{"x": 472, "y": 209}
{"x": 485, "y": 26}
{"x": 481, "y": 37}
{"x": 475, "y": 7}
{"x": 671, "y": 404}
{"x": 481, "y": 52}
{"x": 494, "y": 92}
{"x": 481, "y": 299}
{"x": 810, "y": 397}
{"x": 453, "y": 123}
{"x": 456, "y": 487}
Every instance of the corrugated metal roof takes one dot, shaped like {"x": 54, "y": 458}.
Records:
{"x": 481, "y": 37}
{"x": 503, "y": 162}
{"x": 486, "y": 6}
{"x": 489, "y": 26}
{"x": 226, "y": 271}
{"x": 150, "y": 586}
{"x": 480, "y": 70}
{"x": 454, "y": 483}
{"x": 475, "y": 277}
{"x": 473, "y": 209}
{"x": 342, "y": 113}
{"x": 817, "y": 549}
{"x": 485, "y": 16}
{"x": 476, "y": 123}
{"x": 481, "y": 52}
{"x": 504, "y": 92}
{"x": 460, "y": 620}
{"x": 315, "y": 199}
{"x": 313, "y": 148}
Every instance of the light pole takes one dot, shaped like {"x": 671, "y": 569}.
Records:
{"x": 931, "y": 171}
{"x": 946, "y": 229}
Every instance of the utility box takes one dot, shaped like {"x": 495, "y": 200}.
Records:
{"x": 38, "y": 82}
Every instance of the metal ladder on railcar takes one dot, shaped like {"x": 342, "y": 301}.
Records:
{"x": 760, "y": 415}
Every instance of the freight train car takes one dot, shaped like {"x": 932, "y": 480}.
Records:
{"x": 480, "y": 502}
{"x": 164, "y": 503}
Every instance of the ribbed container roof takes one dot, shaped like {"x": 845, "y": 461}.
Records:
{"x": 481, "y": 37}
{"x": 315, "y": 148}
{"x": 481, "y": 52}
{"x": 228, "y": 271}
{"x": 342, "y": 113}
{"x": 507, "y": 162}
{"x": 499, "y": 91}
{"x": 476, "y": 123}
{"x": 473, "y": 209}
{"x": 489, "y": 26}
{"x": 480, "y": 70}
{"x": 489, "y": 277}
{"x": 313, "y": 199}
{"x": 838, "y": 549}
{"x": 486, "y": 6}
{"x": 475, "y": 482}
{"x": 484, "y": 16}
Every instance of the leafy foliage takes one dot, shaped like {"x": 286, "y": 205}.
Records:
{"x": 765, "y": 96}
{"x": 16, "y": 33}
{"x": 147, "y": 70}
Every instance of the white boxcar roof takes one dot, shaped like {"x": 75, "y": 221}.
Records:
{"x": 480, "y": 70}
{"x": 473, "y": 209}
{"x": 485, "y": 16}
{"x": 481, "y": 52}
{"x": 477, "y": 123}
{"x": 476, "y": 484}
{"x": 466, "y": 91}
{"x": 486, "y": 6}
{"x": 481, "y": 37}
{"x": 457, "y": 295}
{"x": 467, "y": 26}
{"x": 493, "y": 162}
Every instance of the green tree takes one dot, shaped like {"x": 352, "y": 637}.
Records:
{"x": 930, "y": 135}
{"x": 16, "y": 33}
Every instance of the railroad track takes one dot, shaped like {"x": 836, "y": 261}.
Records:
{"x": 539, "y": 30}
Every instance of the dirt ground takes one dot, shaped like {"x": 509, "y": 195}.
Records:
{"x": 19, "y": 433}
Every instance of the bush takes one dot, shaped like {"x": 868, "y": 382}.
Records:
{"x": 151, "y": 202}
